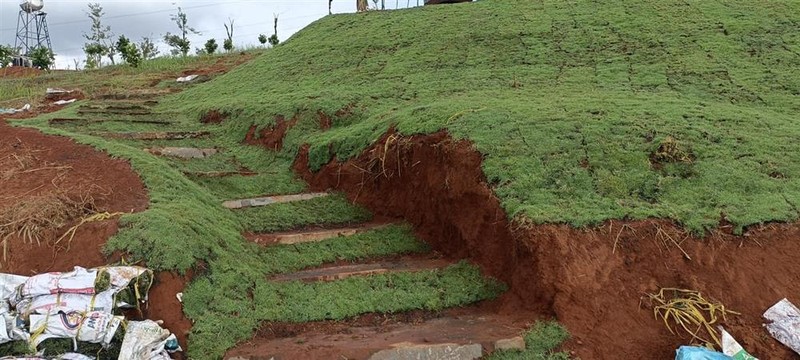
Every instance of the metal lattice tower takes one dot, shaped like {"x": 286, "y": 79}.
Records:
{"x": 32, "y": 29}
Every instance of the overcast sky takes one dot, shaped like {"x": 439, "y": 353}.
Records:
{"x": 67, "y": 20}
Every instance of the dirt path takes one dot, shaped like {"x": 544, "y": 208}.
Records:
{"x": 361, "y": 337}
{"x": 590, "y": 280}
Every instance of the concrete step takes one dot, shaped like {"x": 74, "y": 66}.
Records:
{"x": 149, "y": 95}
{"x": 56, "y": 121}
{"x": 182, "y": 152}
{"x": 342, "y": 272}
{"x": 454, "y": 336}
{"x": 112, "y": 111}
{"x": 269, "y": 200}
{"x": 299, "y": 237}
{"x": 216, "y": 174}
{"x": 157, "y": 135}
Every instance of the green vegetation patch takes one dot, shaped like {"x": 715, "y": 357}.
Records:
{"x": 334, "y": 209}
{"x": 541, "y": 342}
{"x": 567, "y": 101}
{"x": 455, "y": 285}
{"x": 391, "y": 240}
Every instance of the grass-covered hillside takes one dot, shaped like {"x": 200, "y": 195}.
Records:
{"x": 586, "y": 110}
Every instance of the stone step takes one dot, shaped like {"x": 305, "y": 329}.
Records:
{"x": 342, "y": 272}
{"x": 269, "y": 200}
{"x": 157, "y": 135}
{"x": 299, "y": 237}
{"x": 114, "y": 111}
{"x": 182, "y": 152}
{"x": 131, "y": 96}
{"x": 453, "y": 336}
{"x": 56, "y": 121}
{"x": 217, "y": 174}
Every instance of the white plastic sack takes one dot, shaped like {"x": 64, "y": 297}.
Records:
{"x": 187, "y": 78}
{"x": 78, "y": 281}
{"x": 8, "y": 285}
{"x": 67, "y": 356}
{"x": 12, "y": 328}
{"x": 784, "y": 324}
{"x": 94, "y": 327}
{"x": 65, "y": 102}
{"x": 147, "y": 340}
{"x": 44, "y": 304}
{"x": 121, "y": 276}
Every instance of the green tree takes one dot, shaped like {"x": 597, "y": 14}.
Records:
{"x": 262, "y": 39}
{"x": 211, "y": 46}
{"x": 273, "y": 40}
{"x": 98, "y": 39}
{"x": 180, "y": 44}
{"x": 148, "y": 48}
{"x": 42, "y": 58}
{"x": 228, "y": 43}
{"x": 6, "y": 53}
{"x": 129, "y": 52}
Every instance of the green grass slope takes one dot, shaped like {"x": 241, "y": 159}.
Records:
{"x": 569, "y": 100}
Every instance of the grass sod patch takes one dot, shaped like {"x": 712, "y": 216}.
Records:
{"x": 329, "y": 210}
{"x": 391, "y": 240}
{"x": 566, "y": 108}
{"x": 541, "y": 342}
{"x": 115, "y": 78}
{"x": 434, "y": 290}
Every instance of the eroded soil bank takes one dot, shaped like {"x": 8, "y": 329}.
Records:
{"x": 591, "y": 280}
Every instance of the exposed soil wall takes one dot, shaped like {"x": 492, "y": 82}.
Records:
{"x": 270, "y": 137}
{"x": 591, "y": 280}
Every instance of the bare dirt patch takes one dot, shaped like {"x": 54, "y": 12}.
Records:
{"x": 19, "y": 72}
{"x": 270, "y": 137}
{"x": 364, "y": 335}
{"x": 213, "y": 117}
{"x": 591, "y": 280}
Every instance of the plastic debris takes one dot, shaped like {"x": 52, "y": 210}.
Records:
{"x": 784, "y": 324}
{"x": 147, "y": 340}
{"x": 187, "y": 78}
{"x": 732, "y": 348}
{"x": 75, "y": 305}
{"x": 14, "y": 111}
{"x": 95, "y": 327}
{"x": 699, "y": 353}
{"x": 65, "y": 102}
{"x": 180, "y": 297}
{"x": 67, "y": 356}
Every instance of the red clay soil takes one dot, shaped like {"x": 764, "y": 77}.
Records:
{"x": 213, "y": 117}
{"x": 37, "y": 165}
{"x": 270, "y": 137}
{"x": 19, "y": 72}
{"x": 164, "y": 305}
{"x": 590, "y": 280}
{"x": 325, "y": 121}
{"x": 364, "y": 335}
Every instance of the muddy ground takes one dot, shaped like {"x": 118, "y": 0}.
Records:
{"x": 591, "y": 280}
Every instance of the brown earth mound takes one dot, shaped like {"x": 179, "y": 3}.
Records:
{"x": 19, "y": 72}
{"x": 213, "y": 117}
{"x": 590, "y": 280}
{"x": 270, "y": 137}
